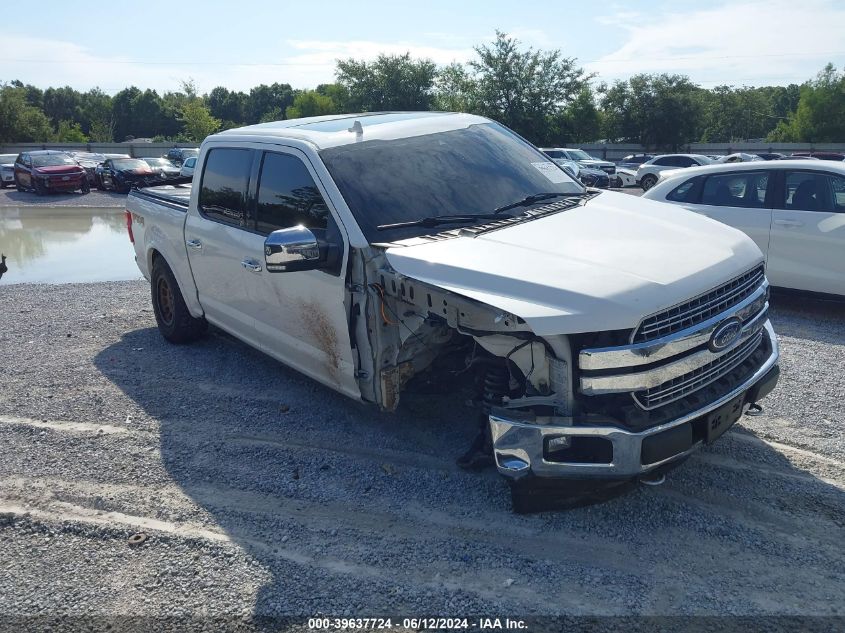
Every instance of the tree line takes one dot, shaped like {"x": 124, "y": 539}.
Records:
{"x": 544, "y": 96}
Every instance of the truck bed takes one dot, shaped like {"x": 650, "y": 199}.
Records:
{"x": 176, "y": 196}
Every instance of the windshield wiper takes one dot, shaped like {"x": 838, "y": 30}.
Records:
{"x": 532, "y": 199}
{"x": 436, "y": 220}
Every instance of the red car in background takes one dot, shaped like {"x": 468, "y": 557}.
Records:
{"x": 44, "y": 171}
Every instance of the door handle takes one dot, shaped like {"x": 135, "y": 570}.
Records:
{"x": 252, "y": 265}
{"x": 195, "y": 244}
{"x": 792, "y": 223}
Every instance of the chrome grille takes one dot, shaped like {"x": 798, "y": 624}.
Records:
{"x": 692, "y": 312}
{"x": 682, "y": 386}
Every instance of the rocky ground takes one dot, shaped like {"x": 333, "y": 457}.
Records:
{"x": 261, "y": 492}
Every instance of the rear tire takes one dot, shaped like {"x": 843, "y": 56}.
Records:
{"x": 648, "y": 182}
{"x": 174, "y": 321}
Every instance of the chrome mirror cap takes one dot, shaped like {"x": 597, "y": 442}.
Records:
{"x": 290, "y": 249}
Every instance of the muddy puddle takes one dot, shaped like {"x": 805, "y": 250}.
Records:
{"x": 65, "y": 245}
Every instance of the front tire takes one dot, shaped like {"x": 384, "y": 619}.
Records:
{"x": 40, "y": 189}
{"x": 86, "y": 187}
{"x": 172, "y": 316}
{"x": 648, "y": 182}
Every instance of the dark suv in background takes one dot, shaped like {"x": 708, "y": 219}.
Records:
{"x": 44, "y": 171}
{"x": 178, "y": 155}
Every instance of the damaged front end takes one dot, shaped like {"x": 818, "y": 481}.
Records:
{"x": 602, "y": 407}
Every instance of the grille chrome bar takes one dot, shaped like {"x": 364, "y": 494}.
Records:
{"x": 701, "y": 308}
{"x": 682, "y": 386}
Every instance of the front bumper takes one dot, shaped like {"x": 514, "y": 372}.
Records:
{"x": 519, "y": 446}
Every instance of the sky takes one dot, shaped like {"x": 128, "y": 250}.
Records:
{"x": 157, "y": 44}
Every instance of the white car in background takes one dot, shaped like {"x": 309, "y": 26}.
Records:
{"x": 188, "y": 167}
{"x": 7, "y": 170}
{"x": 649, "y": 172}
{"x": 738, "y": 157}
{"x": 793, "y": 210}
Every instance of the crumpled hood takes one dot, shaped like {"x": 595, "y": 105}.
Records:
{"x": 601, "y": 266}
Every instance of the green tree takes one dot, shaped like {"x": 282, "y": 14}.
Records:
{"x": 62, "y": 104}
{"x": 524, "y": 89}
{"x": 20, "y": 121}
{"x": 198, "y": 121}
{"x": 391, "y": 82}
{"x": 455, "y": 90}
{"x": 820, "y": 116}
{"x": 310, "y": 103}
{"x": 658, "y": 111}
{"x": 264, "y": 99}
{"x": 70, "y": 132}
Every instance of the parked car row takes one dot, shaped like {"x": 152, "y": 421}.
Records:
{"x": 44, "y": 171}
{"x": 792, "y": 209}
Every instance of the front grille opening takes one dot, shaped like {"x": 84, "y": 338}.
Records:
{"x": 690, "y": 382}
{"x": 582, "y": 449}
{"x": 694, "y": 311}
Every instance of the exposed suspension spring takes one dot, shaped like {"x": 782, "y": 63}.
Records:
{"x": 496, "y": 385}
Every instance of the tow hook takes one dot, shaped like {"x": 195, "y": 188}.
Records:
{"x": 754, "y": 410}
{"x": 653, "y": 479}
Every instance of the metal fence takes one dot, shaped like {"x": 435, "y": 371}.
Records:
{"x": 607, "y": 151}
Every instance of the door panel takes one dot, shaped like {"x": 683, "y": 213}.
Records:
{"x": 225, "y": 288}
{"x": 739, "y": 199}
{"x": 302, "y": 317}
{"x": 807, "y": 249}
{"x": 220, "y": 243}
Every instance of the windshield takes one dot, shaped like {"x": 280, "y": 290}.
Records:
{"x": 129, "y": 163}
{"x": 580, "y": 154}
{"x": 158, "y": 162}
{"x": 474, "y": 170}
{"x": 50, "y": 160}
{"x": 189, "y": 152}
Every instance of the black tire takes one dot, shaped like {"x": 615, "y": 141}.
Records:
{"x": 174, "y": 321}
{"x": 648, "y": 182}
{"x": 40, "y": 189}
{"x": 86, "y": 187}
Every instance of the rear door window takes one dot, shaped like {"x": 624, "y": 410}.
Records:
{"x": 813, "y": 191}
{"x": 738, "y": 189}
{"x": 288, "y": 196}
{"x": 225, "y": 182}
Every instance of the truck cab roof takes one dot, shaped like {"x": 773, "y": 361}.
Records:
{"x": 342, "y": 129}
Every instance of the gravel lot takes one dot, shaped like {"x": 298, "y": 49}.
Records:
{"x": 261, "y": 492}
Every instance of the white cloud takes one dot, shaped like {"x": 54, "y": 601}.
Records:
{"x": 59, "y": 63}
{"x": 759, "y": 42}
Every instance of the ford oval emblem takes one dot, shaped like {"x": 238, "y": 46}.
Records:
{"x": 725, "y": 334}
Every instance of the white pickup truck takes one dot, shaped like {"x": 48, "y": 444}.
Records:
{"x": 607, "y": 336}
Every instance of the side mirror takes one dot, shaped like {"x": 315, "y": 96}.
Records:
{"x": 293, "y": 249}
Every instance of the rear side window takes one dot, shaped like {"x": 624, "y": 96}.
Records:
{"x": 225, "y": 181}
{"x": 684, "y": 192}
{"x": 667, "y": 161}
{"x": 288, "y": 196}
{"x": 738, "y": 189}
{"x": 814, "y": 191}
